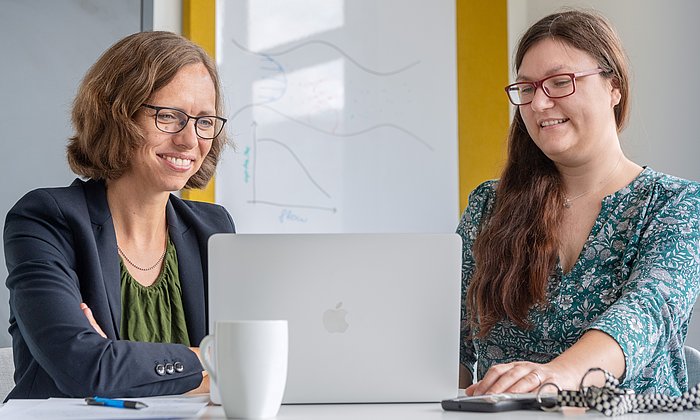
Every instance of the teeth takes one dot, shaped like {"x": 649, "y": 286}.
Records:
{"x": 552, "y": 122}
{"x": 178, "y": 161}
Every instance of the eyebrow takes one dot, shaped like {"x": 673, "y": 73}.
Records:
{"x": 554, "y": 70}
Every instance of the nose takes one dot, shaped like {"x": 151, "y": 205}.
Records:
{"x": 540, "y": 101}
{"x": 187, "y": 138}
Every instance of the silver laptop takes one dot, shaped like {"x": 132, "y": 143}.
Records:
{"x": 372, "y": 317}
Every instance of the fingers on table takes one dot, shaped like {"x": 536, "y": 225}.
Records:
{"x": 510, "y": 377}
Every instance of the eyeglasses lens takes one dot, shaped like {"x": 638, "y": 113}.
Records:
{"x": 554, "y": 87}
{"x": 174, "y": 121}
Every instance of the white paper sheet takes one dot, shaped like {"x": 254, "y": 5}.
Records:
{"x": 77, "y": 409}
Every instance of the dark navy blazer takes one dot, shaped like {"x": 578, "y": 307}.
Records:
{"x": 61, "y": 250}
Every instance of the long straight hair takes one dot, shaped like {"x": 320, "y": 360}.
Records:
{"x": 517, "y": 248}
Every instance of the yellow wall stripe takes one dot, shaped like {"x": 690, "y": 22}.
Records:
{"x": 482, "y": 72}
{"x": 199, "y": 26}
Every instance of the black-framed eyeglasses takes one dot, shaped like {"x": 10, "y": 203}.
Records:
{"x": 171, "y": 120}
{"x": 555, "y": 86}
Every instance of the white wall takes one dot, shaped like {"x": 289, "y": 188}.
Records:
{"x": 661, "y": 41}
{"x": 167, "y": 15}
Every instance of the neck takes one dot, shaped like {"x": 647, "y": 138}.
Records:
{"x": 591, "y": 176}
{"x": 137, "y": 216}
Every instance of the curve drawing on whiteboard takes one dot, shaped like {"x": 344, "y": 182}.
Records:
{"x": 335, "y": 48}
{"x": 272, "y": 86}
{"x": 276, "y": 75}
{"x": 301, "y": 165}
{"x": 273, "y": 73}
{"x": 335, "y": 133}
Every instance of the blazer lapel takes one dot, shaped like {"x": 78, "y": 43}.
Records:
{"x": 189, "y": 264}
{"x": 106, "y": 244}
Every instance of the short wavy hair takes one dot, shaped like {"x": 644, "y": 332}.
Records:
{"x": 112, "y": 91}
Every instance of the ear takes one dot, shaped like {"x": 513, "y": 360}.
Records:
{"x": 615, "y": 94}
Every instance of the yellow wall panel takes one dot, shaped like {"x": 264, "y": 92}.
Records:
{"x": 199, "y": 25}
{"x": 482, "y": 73}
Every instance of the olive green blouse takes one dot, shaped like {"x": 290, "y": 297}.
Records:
{"x": 154, "y": 313}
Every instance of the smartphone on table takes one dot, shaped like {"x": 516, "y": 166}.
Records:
{"x": 493, "y": 402}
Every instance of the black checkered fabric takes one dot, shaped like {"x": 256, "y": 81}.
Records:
{"x": 612, "y": 400}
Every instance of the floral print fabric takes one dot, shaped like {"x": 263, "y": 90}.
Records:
{"x": 636, "y": 279}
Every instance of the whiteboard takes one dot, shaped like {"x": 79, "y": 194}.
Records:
{"x": 343, "y": 113}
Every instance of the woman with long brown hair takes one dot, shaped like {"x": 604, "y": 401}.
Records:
{"x": 576, "y": 257}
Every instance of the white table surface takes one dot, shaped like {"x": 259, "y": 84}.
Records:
{"x": 429, "y": 412}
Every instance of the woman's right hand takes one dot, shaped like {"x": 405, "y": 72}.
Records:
{"x": 91, "y": 319}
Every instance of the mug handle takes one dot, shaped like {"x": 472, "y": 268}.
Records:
{"x": 204, "y": 352}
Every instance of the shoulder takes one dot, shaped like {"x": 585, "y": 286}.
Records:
{"x": 480, "y": 203}
{"x": 660, "y": 205}
{"x": 46, "y": 221}
{"x": 46, "y": 199}
{"x": 481, "y": 198}
{"x": 669, "y": 183}
{"x": 484, "y": 191}
{"x": 197, "y": 207}
{"x": 207, "y": 216}
{"x": 663, "y": 191}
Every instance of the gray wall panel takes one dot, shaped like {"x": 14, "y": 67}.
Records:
{"x": 46, "y": 46}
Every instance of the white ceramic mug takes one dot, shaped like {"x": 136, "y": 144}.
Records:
{"x": 214, "y": 396}
{"x": 250, "y": 366}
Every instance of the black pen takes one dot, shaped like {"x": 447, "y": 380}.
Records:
{"x": 107, "y": 402}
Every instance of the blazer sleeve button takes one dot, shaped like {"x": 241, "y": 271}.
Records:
{"x": 179, "y": 367}
{"x": 169, "y": 369}
{"x": 160, "y": 369}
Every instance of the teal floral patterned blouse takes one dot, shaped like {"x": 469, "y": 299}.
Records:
{"x": 636, "y": 279}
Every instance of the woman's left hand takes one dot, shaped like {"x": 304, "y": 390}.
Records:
{"x": 520, "y": 377}
{"x": 91, "y": 319}
{"x": 595, "y": 349}
{"x": 203, "y": 387}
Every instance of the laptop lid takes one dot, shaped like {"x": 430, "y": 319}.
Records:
{"x": 372, "y": 317}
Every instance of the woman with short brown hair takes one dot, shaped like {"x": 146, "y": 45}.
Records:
{"x": 114, "y": 89}
{"x": 107, "y": 276}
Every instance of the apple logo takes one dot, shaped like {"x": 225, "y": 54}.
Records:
{"x": 334, "y": 319}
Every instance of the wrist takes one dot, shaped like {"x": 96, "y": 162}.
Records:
{"x": 566, "y": 375}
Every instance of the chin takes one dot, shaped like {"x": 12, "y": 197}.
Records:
{"x": 554, "y": 148}
{"x": 176, "y": 182}
{"x": 174, "y": 185}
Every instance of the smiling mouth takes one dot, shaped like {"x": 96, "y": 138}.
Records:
{"x": 553, "y": 122}
{"x": 181, "y": 163}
